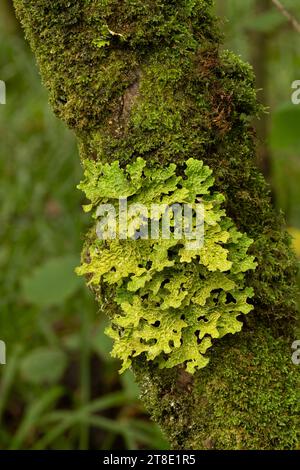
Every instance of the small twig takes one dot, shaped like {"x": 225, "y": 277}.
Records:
{"x": 287, "y": 14}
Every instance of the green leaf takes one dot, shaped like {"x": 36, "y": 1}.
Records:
{"x": 265, "y": 23}
{"x": 52, "y": 283}
{"x": 43, "y": 365}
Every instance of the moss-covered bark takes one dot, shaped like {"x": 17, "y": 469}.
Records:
{"x": 146, "y": 78}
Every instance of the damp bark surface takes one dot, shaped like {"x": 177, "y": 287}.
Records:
{"x": 148, "y": 78}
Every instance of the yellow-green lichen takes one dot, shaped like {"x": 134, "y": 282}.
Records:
{"x": 174, "y": 299}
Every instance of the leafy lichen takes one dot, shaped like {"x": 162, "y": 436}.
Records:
{"x": 174, "y": 299}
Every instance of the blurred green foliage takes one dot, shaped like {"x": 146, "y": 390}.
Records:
{"x": 60, "y": 388}
{"x": 245, "y": 31}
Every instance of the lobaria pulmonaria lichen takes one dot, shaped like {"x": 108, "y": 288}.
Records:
{"x": 175, "y": 296}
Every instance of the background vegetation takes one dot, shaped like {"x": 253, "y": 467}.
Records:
{"x": 60, "y": 388}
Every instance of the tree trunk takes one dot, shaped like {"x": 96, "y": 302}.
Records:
{"x": 147, "y": 79}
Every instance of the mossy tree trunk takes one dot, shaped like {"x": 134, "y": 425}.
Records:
{"x": 147, "y": 79}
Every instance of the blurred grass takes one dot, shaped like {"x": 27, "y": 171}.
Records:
{"x": 60, "y": 388}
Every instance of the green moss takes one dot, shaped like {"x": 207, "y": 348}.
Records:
{"x": 246, "y": 399}
{"x": 163, "y": 91}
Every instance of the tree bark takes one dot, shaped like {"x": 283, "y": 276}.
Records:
{"x": 161, "y": 89}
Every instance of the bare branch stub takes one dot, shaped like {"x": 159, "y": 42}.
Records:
{"x": 294, "y": 22}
